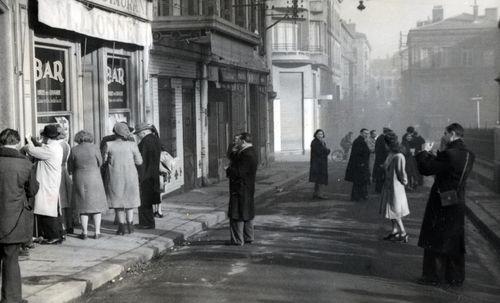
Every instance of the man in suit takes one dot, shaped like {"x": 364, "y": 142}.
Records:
{"x": 241, "y": 174}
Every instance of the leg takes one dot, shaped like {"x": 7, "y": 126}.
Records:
{"x": 120, "y": 214}
{"x": 159, "y": 210}
{"x": 51, "y": 227}
{"x": 429, "y": 268}
{"x": 455, "y": 269}
{"x": 97, "y": 223}
{"x": 146, "y": 216}
{"x": 400, "y": 225}
{"x": 355, "y": 196}
{"x": 130, "y": 215}
{"x": 236, "y": 229}
{"x": 11, "y": 273}
{"x": 248, "y": 234}
{"x": 316, "y": 190}
{"x": 85, "y": 223}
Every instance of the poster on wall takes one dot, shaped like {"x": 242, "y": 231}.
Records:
{"x": 50, "y": 78}
{"x": 116, "y": 76}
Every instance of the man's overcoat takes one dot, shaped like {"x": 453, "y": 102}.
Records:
{"x": 443, "y": 227}
{"x": 242, "y": 185}
{"x": 17, "y": 184}
{"x": 381, "y": 153}
{"x": 318, "y": 172}
{"x": 149, "y": 170}
{"x": 358, "y": 166}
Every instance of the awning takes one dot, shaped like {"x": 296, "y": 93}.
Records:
{"x": 94, "y": 22}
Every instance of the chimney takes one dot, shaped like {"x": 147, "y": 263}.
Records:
{"x": 491, "y": 14}
{"x": 437, "y": 13}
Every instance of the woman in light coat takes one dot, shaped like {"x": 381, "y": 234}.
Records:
{"x": 121, "y": 179}
{"x": 393, "y": 203}
{"x": 48, "y": 174}
{"x": 88, "y": 196}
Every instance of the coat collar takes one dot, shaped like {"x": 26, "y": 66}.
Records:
{"x": 459, "y": 144}
{"x": 10, "y": 153}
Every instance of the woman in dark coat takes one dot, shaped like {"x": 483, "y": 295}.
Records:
{"x": 442, "y": 232}
{"x": 358, "y": 171}
{"x": 17, "y": 184}
{"x": 242, "y": 174}
{"x": 84, "y": 164}
{"x": 318, "y": 172}
{"x": 149, "y": 173}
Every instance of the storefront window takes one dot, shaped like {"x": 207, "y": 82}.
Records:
{"x": 51, "y": 77}
{"x": 118, "y": 88}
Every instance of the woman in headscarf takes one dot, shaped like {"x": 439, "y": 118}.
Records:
{"x": 121, "y": 179}
{"x": 318, "y": 172}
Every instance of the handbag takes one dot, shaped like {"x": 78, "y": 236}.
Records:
{"x": 450, "y": 197}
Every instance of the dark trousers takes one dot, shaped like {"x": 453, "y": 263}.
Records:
{"x": 241, "y": 231}
{"x": 435, "y": 263}
{"x": 50, "y": 227}
{"x": 359, "y": 191}
{"x": 11, "y": 274}
{"x": 146, "y": 215}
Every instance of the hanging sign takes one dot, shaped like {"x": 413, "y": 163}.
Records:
{"x": 74, "y": 16}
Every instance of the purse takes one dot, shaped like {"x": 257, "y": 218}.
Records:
{"x": 450, "y": 197}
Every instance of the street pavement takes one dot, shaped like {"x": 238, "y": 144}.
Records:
{"x": 309, "y": 251}
{"x": 61, "y": 273}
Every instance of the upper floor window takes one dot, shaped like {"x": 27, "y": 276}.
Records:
{"x": 189, "y": 8}
{"x": 164, "y": 7}
{"x": 466, "y": 58}
{"x": 226, "y": 9}
{"x": 316, "y": 42}
{"x": 286, "y": 36}
{"x": 241, "y": 12}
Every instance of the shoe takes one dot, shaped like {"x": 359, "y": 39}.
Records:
{"x": 159, "y": 215}
{"x": 70, "y": 230}
{"x": 402, "y": 238}
{"x": 390, "y": 236}
{"x": 83, "y": 236}
{"x": 130, "y": 227}
{"x": 455, "y": 283}
{"x": 426, "y": 281}
{"x": 97, "y": 236}
{"x": 121, "y": 229}
{"x": 248, "y": 241}
{"x": 24, "y": 252}
{"x": 52, "y": 241}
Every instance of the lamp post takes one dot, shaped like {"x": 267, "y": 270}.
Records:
{"x": 477, "y": 99}
{"x": 497, "y": 79}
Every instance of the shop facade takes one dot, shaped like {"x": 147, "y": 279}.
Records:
{"x": 74, "y": 64}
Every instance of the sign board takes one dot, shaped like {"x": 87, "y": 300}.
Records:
{"x": 116, "y": 78}
{"x": 137, "y": 8}
{"x": 50, "y": 79}
{"x": 75, "y": 16}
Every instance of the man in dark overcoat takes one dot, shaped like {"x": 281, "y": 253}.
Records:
{"x": 381, "y": 153}
{"x": 442, "y": 231}
{"x": 17, "y": 185}
{"x": 149, "y": 173}
{"x": 358, "y": 171}
{"x": 241, "y": 174}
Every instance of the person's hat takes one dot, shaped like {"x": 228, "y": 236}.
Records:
{"x": 50, "y": 131}
{"x": 143, "y": 126}
{"x": 121, "y": 129}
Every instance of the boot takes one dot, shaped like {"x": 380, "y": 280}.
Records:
{"x": 121, "y": 229}
{"x": 130, "y": 227}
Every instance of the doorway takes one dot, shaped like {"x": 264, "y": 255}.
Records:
{"x": 189, "y": 134}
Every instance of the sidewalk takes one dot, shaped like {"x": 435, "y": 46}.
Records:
{"x": 483, "y": 208}
{"x": 60, "y": 273}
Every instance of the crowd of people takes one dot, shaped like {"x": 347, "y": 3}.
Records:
{"x": 47, "y": 186}
{"x": 395, "y": 167}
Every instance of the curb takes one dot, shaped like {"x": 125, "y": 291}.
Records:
{"x": 90, "y": 279}
{"x": 484, "y": 222}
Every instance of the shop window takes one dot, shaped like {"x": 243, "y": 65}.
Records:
{"x": 167, "y": 125}
{"x": 52, "y": 87}
{"x": 117, "y": 79}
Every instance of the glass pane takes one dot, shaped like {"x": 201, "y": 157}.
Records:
{"x": 113, "y": 118}
{"x": 63, "y": 120}
{"x": 116, "y": 76}
{"x": 50, "y": 78}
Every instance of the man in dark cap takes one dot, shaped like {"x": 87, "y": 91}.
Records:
{"x": 149, "y": 173}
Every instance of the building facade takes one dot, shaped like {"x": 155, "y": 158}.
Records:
{"x": 70, "y": 62}
{"x": 452, "y": 64}
{"x": 209, "y": 81}
{"x": 306, "y": 59}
